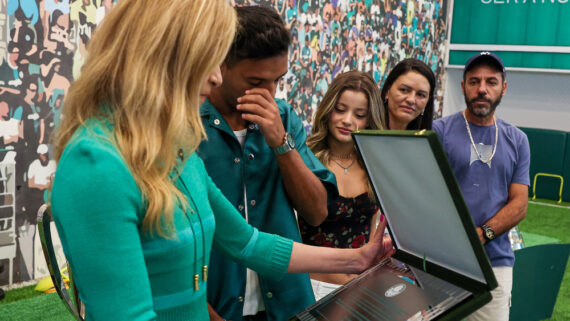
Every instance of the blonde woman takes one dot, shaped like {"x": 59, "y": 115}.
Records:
{"x": 136, "y": 212}
{"x": 352, "y": 102}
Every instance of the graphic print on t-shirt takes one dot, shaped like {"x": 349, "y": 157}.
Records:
{"x": 484, "y": 152}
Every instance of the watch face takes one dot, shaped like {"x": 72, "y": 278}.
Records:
{"x": 288, "y": 145}
{"x": 290, "y": 141}
{"x": 489, "y": 233}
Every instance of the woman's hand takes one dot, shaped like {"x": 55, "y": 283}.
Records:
{"x": 379, "y": 247}
{"x": 306, "y": 258}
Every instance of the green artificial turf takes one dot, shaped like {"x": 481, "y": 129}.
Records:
{"x": 551, "y": 223}
{"x": 543, "y": 224}
{"x": 44, "y": 307}
{"x": 531, "y": 239}
{"x": 19, "y": 294}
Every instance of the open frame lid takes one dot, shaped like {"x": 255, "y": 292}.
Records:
{"x": 429, "y": 222}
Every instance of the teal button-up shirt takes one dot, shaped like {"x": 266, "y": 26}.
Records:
{"x": 269, "y": 209}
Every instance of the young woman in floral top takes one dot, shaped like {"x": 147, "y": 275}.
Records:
{"x": 352, "y": 102}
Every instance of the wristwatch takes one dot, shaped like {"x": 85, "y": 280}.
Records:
{"x": 288, "y": 145}
{"x": 488, "y": 232}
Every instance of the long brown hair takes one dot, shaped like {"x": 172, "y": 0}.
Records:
{"x": 146, "y": 63}
{"x": 351, "y": 80}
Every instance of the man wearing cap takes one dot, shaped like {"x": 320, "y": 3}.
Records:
{"x": 490, "y": 159}
{"x": 39, "y": 176}
{"x": 41, "y": 169}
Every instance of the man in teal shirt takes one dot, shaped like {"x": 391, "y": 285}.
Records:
{"x": 256, "y": 154}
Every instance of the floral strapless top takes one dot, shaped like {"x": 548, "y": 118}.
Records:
{"x": 346, "y": 226}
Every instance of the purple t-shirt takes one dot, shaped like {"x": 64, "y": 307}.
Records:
{"x": 485, "y": 187}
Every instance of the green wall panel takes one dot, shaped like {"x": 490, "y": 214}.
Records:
{"x": 547, "y": 152}
{"x": 513, "y": 31}
{"x": 514, "y": 22}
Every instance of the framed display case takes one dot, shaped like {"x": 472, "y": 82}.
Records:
{"x": 440, "y": 270}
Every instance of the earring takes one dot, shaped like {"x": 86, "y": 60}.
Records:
{"x": 422, "y": 114}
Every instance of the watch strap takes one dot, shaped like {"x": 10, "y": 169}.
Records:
{"x": 282, "y": 149}
{"x": 288, "y": 145}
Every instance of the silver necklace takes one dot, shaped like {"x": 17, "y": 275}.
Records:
{"x": 486, "y": 161}
{"x": 344, "y": 167}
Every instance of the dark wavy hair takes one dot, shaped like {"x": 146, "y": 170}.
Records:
{"x": 261, "y": 34}
{"x": 411, "y": 64}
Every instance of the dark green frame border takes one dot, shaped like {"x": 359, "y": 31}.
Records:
{"x": 447, "y": 173}
{"x": 480, "y": 291}
{"x": 481, "y": 294}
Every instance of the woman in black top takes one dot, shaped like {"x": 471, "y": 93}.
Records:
{"x": 352, "y": 102}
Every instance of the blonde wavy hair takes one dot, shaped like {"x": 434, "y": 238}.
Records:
{"x": 352, "y": 80}
{"x": 146, "y": 64}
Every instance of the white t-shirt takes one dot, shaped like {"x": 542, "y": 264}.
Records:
{"x": 41, "y": 174}
{"x": 253, "y": 301}
{"x": 280, "y": 93}
{"x": 9, "y": 128}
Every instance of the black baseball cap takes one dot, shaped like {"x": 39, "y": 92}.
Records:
{"x": 487, "y": 56}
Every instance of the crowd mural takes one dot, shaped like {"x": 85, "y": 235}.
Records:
{"x": 42, "y": 48}
{"x": 331, "y": 37}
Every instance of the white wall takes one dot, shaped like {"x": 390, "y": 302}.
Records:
{"x": 533, "y": 99}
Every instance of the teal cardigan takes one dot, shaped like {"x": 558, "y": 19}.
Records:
{"x": 123, "y": 273}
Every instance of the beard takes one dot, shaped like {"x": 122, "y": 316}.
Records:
{"x": 44, "y": 161}
{"x": 481, "y": 112}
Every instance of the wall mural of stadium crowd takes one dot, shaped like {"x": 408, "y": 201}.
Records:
{"x": 331, "y": 37}
{"x": 42, "y": 47}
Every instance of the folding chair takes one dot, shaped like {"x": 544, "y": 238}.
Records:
{"x": 76, "y": 306}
